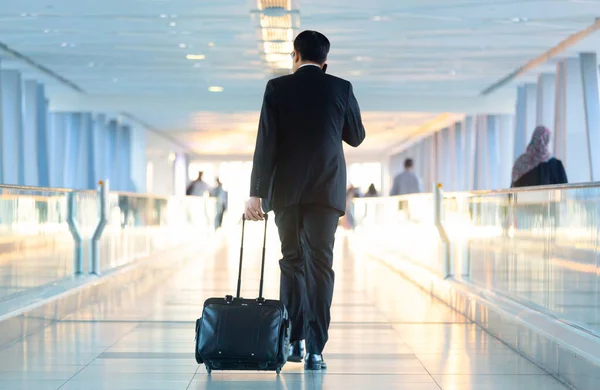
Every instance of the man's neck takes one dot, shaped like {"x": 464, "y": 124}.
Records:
{"x": 308, "y": 63}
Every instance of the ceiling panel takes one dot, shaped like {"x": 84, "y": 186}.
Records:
{"x": 407, "y": 56}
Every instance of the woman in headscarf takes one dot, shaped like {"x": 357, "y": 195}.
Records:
{"x": 537, "y": 167}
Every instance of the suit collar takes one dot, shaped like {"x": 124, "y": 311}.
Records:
{"x": 309, "y": 68}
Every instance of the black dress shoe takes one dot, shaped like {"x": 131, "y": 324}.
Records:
{"x": 296, "y": 352}
{"x": 314, "y": 362}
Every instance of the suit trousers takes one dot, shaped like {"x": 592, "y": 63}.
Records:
{"x": 307, "y": 234}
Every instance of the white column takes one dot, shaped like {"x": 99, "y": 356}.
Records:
{"x": 559, "y": 139}
{"x": 469, "y": 146}
{"x": 43, "y": 138}
{"x": 11, "y": 117}
{"x": 591, "y": 100}
{"x": 451, "y": 166}
{"x": 458, "y": 156}
{"x": 571, "y": 138}
{"x": 180, "y": 174}
{"x": 492, "y": 155}
{"x": 519, "y": 133}
{"x": 439, "y": 158}
{"x": 530, "y": 110}
{"x": 480, "y": 169}
{"x": 526, "y": 118}
{"x": 429, "y": 163}
{"x": 506, "y": 146}
{"x": 546, "y": 90}
{"x": 57, "y": 147}
{"x": 100, "y": 140}
{"x": 29, "y": 146}
{"x": 139, "y": 160}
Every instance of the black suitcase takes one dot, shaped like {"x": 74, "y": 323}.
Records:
{"x": 243, "y": 334}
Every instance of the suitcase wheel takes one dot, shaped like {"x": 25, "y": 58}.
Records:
{"x": 208, "y": 369}
{"x": 199, "y": 358}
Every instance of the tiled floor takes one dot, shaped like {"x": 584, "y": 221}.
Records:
{"x": 385, "y": 334}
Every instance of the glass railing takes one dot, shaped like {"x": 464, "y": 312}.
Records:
{"x": 36, "y": 247}
{"x": 538, "y": 246}
{"x": 141, "y": 225}
{"x": 46, "y": 234}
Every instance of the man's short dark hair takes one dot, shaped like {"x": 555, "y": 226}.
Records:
{"x": 312, "y": 46}
{"x": 408, "y": 163}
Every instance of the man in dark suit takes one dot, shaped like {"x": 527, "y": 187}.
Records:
{"x": 300, "y": 172}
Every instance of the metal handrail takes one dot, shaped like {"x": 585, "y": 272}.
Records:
{"x": 139, "y": 195}
{"x": 93, "y": 192}
{"x": 555, "y": 187}
{"x": 32, "y": 188}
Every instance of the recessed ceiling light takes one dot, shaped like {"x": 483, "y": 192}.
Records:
{"x": 91, "y": 64}
{"x": 378, "y": 18}
{"x": 64, "y": 44}
{"x": 115, "y": 79}
{"x": 519, "y": 20}
{"x": 163, "y": 16}
{"x": 182, "y": 45}
{"x": 46, "y": 30}
{"x": 215, "y": 88}
{"x": 195, "y": 56}
{"x": 211, "y": 44}
{"x": 172, "y": 24}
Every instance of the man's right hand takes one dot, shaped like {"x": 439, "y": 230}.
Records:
{"x": 253, "y": 211}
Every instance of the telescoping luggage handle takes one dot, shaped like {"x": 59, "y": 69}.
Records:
{"x": 262, "y": 265}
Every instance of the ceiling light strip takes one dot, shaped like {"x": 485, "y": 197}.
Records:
{"x": 265, "y": 4}
{"x": 276, "y": 21}
{"x": 542, "y": 59}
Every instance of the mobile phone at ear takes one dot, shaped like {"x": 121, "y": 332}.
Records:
{"x": 324, "y": 68}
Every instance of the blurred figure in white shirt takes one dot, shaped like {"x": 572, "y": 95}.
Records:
{"x": 198, "y": 187}
{"x": 407, "y": 182}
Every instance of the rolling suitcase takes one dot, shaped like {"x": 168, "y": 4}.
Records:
{"x": 243, "y": 334}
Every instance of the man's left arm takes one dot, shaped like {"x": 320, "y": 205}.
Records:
{"x": 353, "y": 132}
{"x": 266, "y": 145}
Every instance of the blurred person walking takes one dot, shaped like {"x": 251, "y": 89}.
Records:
{"x": 198, "y": 187}
{"x": 349, "y": 220}
{"x": 221, "y": 196}
{"x": 407, "y": 182}
{"x": 371, "y": 192}
{"x": 299, "y": 171}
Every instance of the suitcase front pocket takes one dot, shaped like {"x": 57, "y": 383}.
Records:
{"x": 246, "y": 332}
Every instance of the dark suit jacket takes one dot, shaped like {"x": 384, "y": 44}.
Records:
{"x": 546, "y": 173}
{"x": 299, "y": 159}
